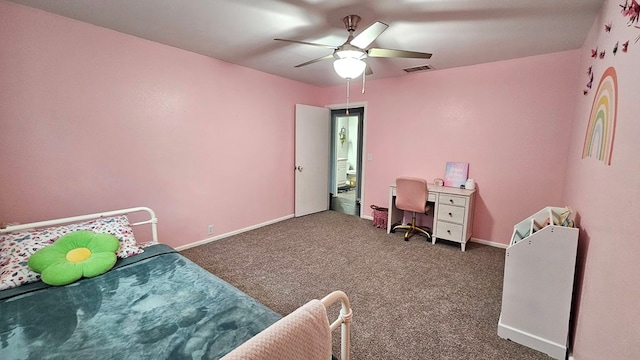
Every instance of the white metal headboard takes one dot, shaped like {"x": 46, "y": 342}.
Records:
{"x": 153, "y": 220}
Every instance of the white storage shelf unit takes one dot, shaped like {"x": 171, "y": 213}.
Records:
{"x": 538, "y": 283}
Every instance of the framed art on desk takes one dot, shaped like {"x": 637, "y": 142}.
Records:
{"x": 456, "y": 174}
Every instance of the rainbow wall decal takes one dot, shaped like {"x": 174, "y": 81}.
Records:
{"x": 598, "y": 141}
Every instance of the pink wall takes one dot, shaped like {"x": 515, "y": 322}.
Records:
{"x": 94, "y": 120}
{"x": 154, "y": 125}
{"x": 509, "y": 120}
{"x": 607, "y": 202}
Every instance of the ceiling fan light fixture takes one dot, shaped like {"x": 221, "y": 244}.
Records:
{"x": 349, "y": 64}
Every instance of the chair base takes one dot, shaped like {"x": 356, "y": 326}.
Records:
{"x": 412, "y": 229}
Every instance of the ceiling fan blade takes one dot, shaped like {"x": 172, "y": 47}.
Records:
{"x": 307, "y": 43}
{"x": 330, "y": 56}
{"x": 368, "y": 35}
{"x": 389, "y": 53}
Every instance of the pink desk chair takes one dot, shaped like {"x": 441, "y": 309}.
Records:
{"x": 411, "y": 195}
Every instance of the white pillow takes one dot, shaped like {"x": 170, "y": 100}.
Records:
{"x": 16, "y": 248}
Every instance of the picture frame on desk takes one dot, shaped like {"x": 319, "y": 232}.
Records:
{"x": 456, "y": 174}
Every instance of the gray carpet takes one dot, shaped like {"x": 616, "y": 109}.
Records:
{"x": 411, "y": 300}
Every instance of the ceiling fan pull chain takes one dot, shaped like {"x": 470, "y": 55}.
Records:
{"x": 363, "y": 77}
{"x": 347, "y": 97}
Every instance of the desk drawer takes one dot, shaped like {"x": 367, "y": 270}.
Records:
{"x": 451, "y": 213}
{"x": 449, "y": 231}
{"x": 453, "y": 200}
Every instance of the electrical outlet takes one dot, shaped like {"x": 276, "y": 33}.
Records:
{"x": 210, "y": 230}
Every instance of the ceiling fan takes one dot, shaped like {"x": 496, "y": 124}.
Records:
{"x": 349, "y": 58}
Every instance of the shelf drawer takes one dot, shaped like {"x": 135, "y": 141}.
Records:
{"x": 449, "y": 231}
{"x": 451, "y": 213}
{"x": 453, "y": 200}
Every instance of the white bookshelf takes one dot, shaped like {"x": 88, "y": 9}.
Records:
{"x": 538, "y": 282}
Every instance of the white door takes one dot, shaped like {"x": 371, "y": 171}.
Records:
{"x": 313, "y": 131}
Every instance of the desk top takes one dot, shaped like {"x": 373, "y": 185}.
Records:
{"x": 444, "y": 189}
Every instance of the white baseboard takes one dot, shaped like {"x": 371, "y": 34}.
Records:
{"x": 490, "y": 243}
{"x": 236, "y": 232}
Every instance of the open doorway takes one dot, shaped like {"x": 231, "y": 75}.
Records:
{"x": 346, "y": 160}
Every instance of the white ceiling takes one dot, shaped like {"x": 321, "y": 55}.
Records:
{"x": 457, "y": 32}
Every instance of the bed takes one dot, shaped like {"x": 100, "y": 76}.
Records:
{"x": 153, "y": 304}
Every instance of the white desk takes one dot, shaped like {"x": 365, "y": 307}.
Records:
{"x": 452, "y": 213}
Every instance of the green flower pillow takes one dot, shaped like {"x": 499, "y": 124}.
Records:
{"x": 77, "y": 254}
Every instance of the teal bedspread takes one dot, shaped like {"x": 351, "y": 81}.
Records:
{"x": 157, "y": 305}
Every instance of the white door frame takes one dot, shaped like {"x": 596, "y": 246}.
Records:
{"x": 365, "y": 155}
